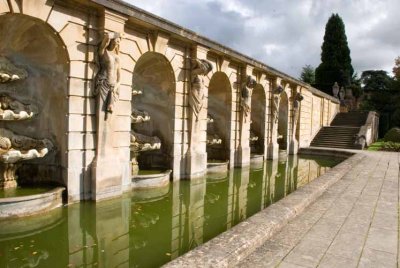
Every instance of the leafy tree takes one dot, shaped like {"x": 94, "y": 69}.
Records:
{"x": 335, "y": 57}
{"x": 396, "y": 68}
{"x": 308, "y": 74}
{"x": 376, "y": 80}
{"x": 381, "y": 95}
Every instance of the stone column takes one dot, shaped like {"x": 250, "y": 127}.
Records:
{"x": 106, "y": 170}
{"x": 196, "y": 156}
{"x": 246, "y": 89}
{"x": 273, "y": 146}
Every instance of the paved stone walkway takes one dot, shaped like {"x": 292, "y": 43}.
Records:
{"x": 355, "y": 223}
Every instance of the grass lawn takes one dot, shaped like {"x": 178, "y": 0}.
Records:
{"x": 376, "y": 145}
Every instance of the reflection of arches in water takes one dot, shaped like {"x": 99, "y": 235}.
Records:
{"x": 257, "y": 127}
{"x": 33, "y": 45}
{"x": 220, "y": 109}
{"x": 154, "y": 76}
{"x": 283, "y": 121}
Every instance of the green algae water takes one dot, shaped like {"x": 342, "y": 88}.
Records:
{"x": 150, "y": 228}
{"x": 23, "y": 191}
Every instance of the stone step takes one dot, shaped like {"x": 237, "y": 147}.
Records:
{"x": 342, "y": 132}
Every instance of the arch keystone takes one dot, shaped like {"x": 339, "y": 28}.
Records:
{"x": 160, "y": 42}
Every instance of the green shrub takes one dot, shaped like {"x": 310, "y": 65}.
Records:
{"x": 393, "y": 135}
{"x": 390, "y": 146}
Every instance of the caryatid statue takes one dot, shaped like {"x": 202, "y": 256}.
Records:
{"x": 296, "y": 107}
{"x": 200, "y": 68}
{"x": 275, "y": 103}
{"x": 108, "y": 77}
{"x": 247, "y": 90}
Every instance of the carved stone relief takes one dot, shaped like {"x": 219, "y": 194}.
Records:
{"x": 9, "y": 72}
{"x": 11, "y": 109}
{"x": 247, "y": 90}
{"x": 197, "y": 93}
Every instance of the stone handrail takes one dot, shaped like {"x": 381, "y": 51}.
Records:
{"x": 368, "y": 133}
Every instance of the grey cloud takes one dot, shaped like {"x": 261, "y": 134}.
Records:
{"x": 295, "y": 27}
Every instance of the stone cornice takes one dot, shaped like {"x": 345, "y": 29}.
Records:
{"x": 149, "y": 18}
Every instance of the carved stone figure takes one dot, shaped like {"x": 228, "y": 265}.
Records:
{"x": 296, "y": 107}
{"x": 108, "y": 77}
{"x": 247, "y": 90}
{"x": 335, "y": 90}
{"x": 9, "y": 72}
{"x": 342, "y": 94}
{"x": 139, "y": 116}
{"x": 275, "y": 103}
{"x": 197, "y": 93}
{"x": 141, "y": 143}
{"x": 11, "y": 109}
{"x": 15, "y": 148}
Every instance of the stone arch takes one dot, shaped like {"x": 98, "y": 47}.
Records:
{"x": 33, "y": 45}
{"x": 154, "y": 76}
{"x": 283, "y": 121}
{"x": 220, "y": 110}
{"x": 258, "y": 119}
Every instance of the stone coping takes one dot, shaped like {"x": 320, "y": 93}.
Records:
{"x": 168, "y": 26}
{"x": 14, "y": 207}
{"x": 232, "y": 246}
{"x": 17, "y": 199}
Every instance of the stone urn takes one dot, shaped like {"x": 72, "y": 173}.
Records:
{"x": 335, "y": 90}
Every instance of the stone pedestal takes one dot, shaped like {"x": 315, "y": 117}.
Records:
{"x": 196, "y": 165}
{"x": 243, "y": 157}
{"x": 272, "y": 150}
{"x": 293, "y": 147}
{"x": 106, "y": 170}
{"x": 243, "y": 152}
{"x": 107, "y": 178}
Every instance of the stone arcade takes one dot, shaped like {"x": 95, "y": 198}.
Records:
{"x": 180, "y": 98}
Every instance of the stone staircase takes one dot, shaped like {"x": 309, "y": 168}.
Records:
{"x": 342, "y": 132}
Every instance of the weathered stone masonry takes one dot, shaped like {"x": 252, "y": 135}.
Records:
{"x": 76, "y": 28}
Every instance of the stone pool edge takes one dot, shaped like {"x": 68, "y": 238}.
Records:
{"x": 234, "y": 245}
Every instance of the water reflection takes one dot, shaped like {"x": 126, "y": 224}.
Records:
{"x": 152, "y": 228}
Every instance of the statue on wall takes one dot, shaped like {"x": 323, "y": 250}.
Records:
{"x": 296, "y": 108}
{"x": 247, "y": 90}
{"x": 11, "y": 109}
{"x": 9, "y": 72}
{"x": 275, "y": 103}
{"x": 197, "y": 93}
{"x": 109, "y": 75}
{"x": 335, "y": 90}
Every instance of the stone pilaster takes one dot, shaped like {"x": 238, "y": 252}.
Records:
{"x": 243, "y": 151}
{"x": 273, "y": 146}
{"x": 107, "y": 170}
{"x": 196, "y": 156}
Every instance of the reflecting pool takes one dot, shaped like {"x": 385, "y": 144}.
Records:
{"x": 150, "y": 228}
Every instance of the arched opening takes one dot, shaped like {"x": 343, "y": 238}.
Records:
{"x": 219, "y": 118}
{"x": 32, "y": 45}
{"x": 257, "y": 126}
{"x": 154, "y": 77}
{"x": 283, "y": 122}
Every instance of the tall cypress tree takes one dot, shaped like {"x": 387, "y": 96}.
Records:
{"x": 335, "y": 57}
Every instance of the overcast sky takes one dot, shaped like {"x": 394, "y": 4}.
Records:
{"x": 288, "y": 34}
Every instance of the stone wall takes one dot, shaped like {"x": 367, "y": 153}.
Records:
{"x": 78, "y": 27}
